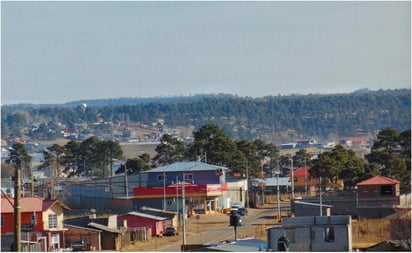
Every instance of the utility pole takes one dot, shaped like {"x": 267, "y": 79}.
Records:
{"x": 184, "y": 211}
{"x": 320, "y": 195}
{"x": 293, "y": 177}
{"x": 177, "y": 199}
{"x": 126, "y": 186}
{"x": 17, "y": 207}
{"x": 32, "y": 181}
{"x": 247, "y": 184}
{"x": 278, "y": 202}
{"x": 164, "y": 191}
{"x": 306, "y": 183}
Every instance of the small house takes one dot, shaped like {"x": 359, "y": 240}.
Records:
{"x": 379, "y": 186}
{"x": 97, "y": 233}
{"x": 156, "y": 223}
{"x": 41, "y": 222}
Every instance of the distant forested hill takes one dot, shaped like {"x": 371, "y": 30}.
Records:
{"x": 269, "y": 118}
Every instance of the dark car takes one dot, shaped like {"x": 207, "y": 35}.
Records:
{"x": 242, "y": 211}
{"x": 170, "y": 231}
{"x": 78, "y": 245}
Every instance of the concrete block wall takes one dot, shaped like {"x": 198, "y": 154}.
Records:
{"x": 341, "y": 242}
{"x": 308, "y": 233}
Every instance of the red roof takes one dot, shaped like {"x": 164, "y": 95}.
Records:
{"x": 379, "y": 180}
{"x": 29, "y": 204}
{"x": 355, "y": 139}
{"x": 301, "y": 172}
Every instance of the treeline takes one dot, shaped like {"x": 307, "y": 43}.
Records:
{"x": 390, "y": 156}
{"x": 266, "y": 118}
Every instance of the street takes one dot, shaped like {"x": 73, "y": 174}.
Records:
{"x": 215, "y": 228}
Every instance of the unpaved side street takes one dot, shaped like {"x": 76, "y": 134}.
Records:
{"x": 213, "y": 228}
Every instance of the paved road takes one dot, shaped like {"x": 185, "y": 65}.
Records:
{"x": 255, "y": 217}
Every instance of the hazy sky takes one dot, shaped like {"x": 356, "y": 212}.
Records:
{"x": 55, "y": 52}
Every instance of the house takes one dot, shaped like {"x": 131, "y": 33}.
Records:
{"x": 172, "y": 219}
{"x": 311, "y": 233}
{"x": 41, "y": 222}
{"x": 204, "y": 188}
{"x": 194, "y": 172}
{"x": 157, "y": 224}
{"x": 97, "y": 233}
{"x": 377, "y": 197}
{"x": 379, "y": 186}
{"x": 352, "y": 141}
{"x": 304, "y": 183}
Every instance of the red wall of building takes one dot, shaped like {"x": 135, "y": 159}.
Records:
{"x": 136, "y": 221}
{"x": 8, "y": 226}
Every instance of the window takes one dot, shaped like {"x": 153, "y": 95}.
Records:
{"x": 2, "y": 221}
{"x": 161, "y": 177}
{"x": 52, "y": 221}
{"x": 55, "y": 240}
{"x": 33, "y": 219}
{"x": 188, "y": 176}
{"x": 329, "y": 234}
{"x": 386, "y": 190}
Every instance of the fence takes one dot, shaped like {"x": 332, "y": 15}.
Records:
{"x": 31, "y": 246}
{"x": 138, "y": 234}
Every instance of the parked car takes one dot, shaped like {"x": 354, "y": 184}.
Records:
{"x": 242, "y": 211}
{"x": 170, "y": 231}
{"x": 78, "y": 245}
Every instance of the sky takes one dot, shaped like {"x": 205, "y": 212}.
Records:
{"x": 56, "y": 52}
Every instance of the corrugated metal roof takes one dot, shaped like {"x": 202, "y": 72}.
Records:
{"x": 186, "y": 166}
{"x": 155, "y": 210}
{"x": 149, "y": 216}
{"x": 272, "y": 181}
{"x": 379, "y": 180}
{"x": 311, "y": 204}
{"x": 86, "y": 228}
{"x": 105, "y": 228}
{"x": 240, "y": 245}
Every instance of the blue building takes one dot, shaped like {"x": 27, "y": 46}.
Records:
{"x": 205, "y": 184}
{"x": 190, "y": 172}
